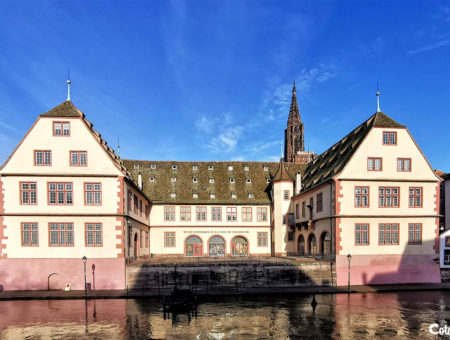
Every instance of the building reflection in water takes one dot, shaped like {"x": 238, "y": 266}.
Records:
{"x": 358, "y": 316}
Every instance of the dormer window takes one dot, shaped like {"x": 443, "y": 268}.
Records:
{"x": 194, "y": 180}
{"x": 251, "y": 196}
{"x": 210, "y": 167}
{"x": 248, "y": 181}
{"x": 173, "y": 195}
{"x": 194, "y": 195}
{"x": 136, "y": 166}
{"x": 194, "y": 167}
{"x": 61, "y": 129}
{"x": 233, "y": 196}
{"x": 211, "y": 180}
{"x": 153, "y": 166}
{"x": 174, "y": 167}
{"x": 230, "y": 168}
{"x": 389, "y": 138}
{"x": 173, "y": 179}
{"x": 231, "y": 180}
{"x": 246, "y": 168}
{"x": 151, "y": 179}
{"x": 266, "y": 168}
{"x": 268, "y": 180}
{"x": 212, "y": 196}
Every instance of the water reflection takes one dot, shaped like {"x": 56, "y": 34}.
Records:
{"x": 358, "y": 316}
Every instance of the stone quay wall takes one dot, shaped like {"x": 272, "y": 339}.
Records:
{"x": 242, "y": 276}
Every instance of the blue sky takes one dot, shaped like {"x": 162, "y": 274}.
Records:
{"x": 212, "y": 80}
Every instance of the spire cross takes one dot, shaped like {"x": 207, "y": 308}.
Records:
{"x": 68, "y": 85}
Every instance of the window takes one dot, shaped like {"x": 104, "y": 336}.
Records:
{"x": 286, "y": 194}
{"x": 246, "y": 214}
{"x": 403, "y": 164}
{"x": 30, "y": 236}
{"x": 267, "y": 180}
{"x": 248, "y": 181}
{"x": 211, "y": 180}
{"x": 146, "y": 239}
{"x": 194, "y": 167}
{"x": 262, "y": 239}
{"x": 169, "y": 239}
{"x": 290, "y": 219}
{"x": 361, "y": 197}
{"x": 303, "y": 209}
{"x": 136, "y": 204}
{"x": 361, "y": 234}
{"x": 284, "y": 219}
{"x": 42, "y": 157}
{"x": 173, "y": 179}
{"x": 216, "y": 214}
{"x": 231, "y": 180}
{"x": 415, "y": 233}
{"x": 140, "y": 238}
{"x": 388, "y": 197}
{"x": 261, "y": 214}
{"x": 232, "y": 214}
{"x": 388, "y": 234}
{"x": 174, "y": 167}
{"x": 297, "y": 211}
{"x": 212, "y": 196}
{"x": 251, "y": 195}
{"x": 194, "y": 195}
{"x": 291, "y": 235}
{"x": 78, "y": 158}
{"x": 374, "y": 164}
{"x": 60, "y": 193}
{"x": 194, "y": 179}
{"x": 319, "y": 205}
{"x": 136, "y": 166}
{"x": 389, "y": 138}
{"x": 169, "y": 213}
{"x": 28, "y": 193}
{"x": 266, "y": 168}
{"x": 94, "y": 235}
{"x": 210, "y": 167}
{"x": 92, "y": 194}
{"x": 173, "y": 195}
{"x": 61, "y": 234}
{"x": 200, "y": 213}
{"x": 415, "y": 197}
{"x": 151, "y": 179}
{"x": 230, "y": 168}
{"x": 153, "y": 166}
{"x": 140, "y": 207}
{"x": 245, "y": 168}
{"x": 447, "y": 257}
{"x": 185, "y": 213}
{"x": 61, "y": 129}
{"x": 233, "y": 196}
{"x": 147, "y": 210}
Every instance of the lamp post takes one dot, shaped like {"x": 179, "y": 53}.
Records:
{"x": 349, "y": 257}
{"x": 84, "y": 264}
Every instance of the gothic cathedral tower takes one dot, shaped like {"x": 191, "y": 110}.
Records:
{"x": 294, "y": 134}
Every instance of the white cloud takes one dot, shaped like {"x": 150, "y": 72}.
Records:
{"x": 226, "y": 141}
{"x": 430, "y": 47}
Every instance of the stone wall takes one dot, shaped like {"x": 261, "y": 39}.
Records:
{"x": 235, "y": 276}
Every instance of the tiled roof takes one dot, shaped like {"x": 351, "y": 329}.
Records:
{"x": 248, "y": 181}
{"x": 282, "y": 174}
{"x": 65, "y": 109}
{"x": 332, "y": 161}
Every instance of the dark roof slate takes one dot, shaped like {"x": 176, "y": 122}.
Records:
{"x": 65, "y": 109}
{"x": 333, "y": 160}
{"x": 160, "y": 189}
{"x": 282, "y": 174}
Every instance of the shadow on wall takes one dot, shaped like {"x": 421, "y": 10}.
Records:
{"x": 389, "y": 268}
{"x": 233, "y": 276}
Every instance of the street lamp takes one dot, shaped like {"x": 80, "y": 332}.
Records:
{"x": 84, "y": 264}
{"x": 349, "y": 257}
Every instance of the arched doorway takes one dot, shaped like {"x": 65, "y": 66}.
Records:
{"x": 194, "y": 246}
{"x": 301, "y": 245}
{"x": 216, "y": 246}
{"x": 312, "y": 245}
{"x": 135, "y": 247}
{"x": 325, "y": 243}
{"x": 239, "y": 246}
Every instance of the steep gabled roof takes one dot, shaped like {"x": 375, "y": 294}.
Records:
{"x": 65, "y": 109}
{"x": 160, "y": 188}
{"x": 332, "y": 161}
{"x": 282, "y": 174}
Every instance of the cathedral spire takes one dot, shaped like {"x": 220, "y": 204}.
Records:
{"x": 293, "y": 134}
{"x": 294, "y": 112}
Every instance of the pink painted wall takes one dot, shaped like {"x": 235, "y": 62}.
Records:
{"x": 32, "y": 274}
{"x": 387, "y": 269}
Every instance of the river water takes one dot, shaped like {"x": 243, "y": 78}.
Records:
{"x": 341, "y": 316}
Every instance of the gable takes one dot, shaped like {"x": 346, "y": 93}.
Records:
{"x": 40, "y": 137}
{"x": 372, "y": 147}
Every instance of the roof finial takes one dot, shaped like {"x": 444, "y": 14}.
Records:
{"x": 293, "y": 89}
{"x": 118, "y": 146}
{"x": 68, "y": 84}
{"x": 281, "y": 149}
{"x": 378, "y": 99}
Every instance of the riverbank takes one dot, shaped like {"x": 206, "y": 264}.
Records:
{"x": 124, "y": 294}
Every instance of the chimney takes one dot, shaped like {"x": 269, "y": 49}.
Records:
{"x": 140, "y": 181}
{"x": 298, "y": 183}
